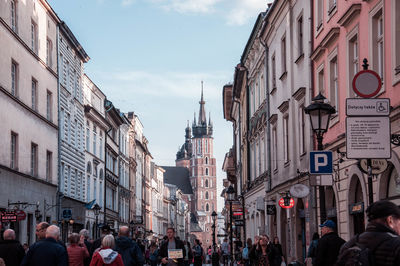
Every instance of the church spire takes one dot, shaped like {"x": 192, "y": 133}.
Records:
{"x": 202, "y": 112}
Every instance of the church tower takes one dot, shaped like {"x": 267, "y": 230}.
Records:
{"x": 198, "y": 155}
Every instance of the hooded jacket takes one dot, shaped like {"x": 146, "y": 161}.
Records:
{"x": 130, "y": 252}
{"x": 106, "y": 257}
{"x": 11, "y": 252}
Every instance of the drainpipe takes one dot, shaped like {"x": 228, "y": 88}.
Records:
{"x": 58, "y": 193}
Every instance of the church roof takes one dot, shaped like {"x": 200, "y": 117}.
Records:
{"x": 178, "y": 176}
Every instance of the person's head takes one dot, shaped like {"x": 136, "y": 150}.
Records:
{"x": 170, "y": 233}
{"x": 74, "y": 238}
{"x": 315, "y": 236}
{"x": 386, "y": 213}
{"x": 123, "y": 231}
{"x": 108, "y": 242}
{"x": 197, "y": 242}
{"x": 9, "y": 234}
{"x": 249, "y": 242}
{"x": 105, "y": 230}
{"x": 84, "y": 233}
{"x": 327, "y": 227}
{"x": 256, "y": 239}
{"x": 276, "y": 240}
{"x": 264, "y": 239}
{"x": 225, "y": 239}
{"x": 53, "y": 232}
{"x": 41, "y": 230}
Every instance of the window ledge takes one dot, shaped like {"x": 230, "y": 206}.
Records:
{"x": 334, "y": 120}
{"x": 303, "y": 154}
{"x": 286, "y": 164}
{"x": 319, "y": 29}
{"x": 284, "y": 74}
{"x": 275, "y": 171}
{"x": 332, "y": 11}
{"x": 273, "y": 90}
{"x": 299, "y": 58}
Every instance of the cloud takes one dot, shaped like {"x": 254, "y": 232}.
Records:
{"x": 245, "y": 10}
{"x": 127, "y": 2}
{"x": 187, "y": 6}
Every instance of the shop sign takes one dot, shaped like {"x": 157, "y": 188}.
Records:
{"x": 239, "y": 222}
{"x": 357, "y": 208}
{"x": 282, "y": 203}
{"x": 8, "y": 216}
{"x": 271, "y": 209}
{"x": 378, "y": 166}
{"x": 137, "y": 219}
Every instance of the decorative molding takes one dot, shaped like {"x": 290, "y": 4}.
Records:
{"x": 330, "y": 37}
{"x": 284, "y": 74}
{"x": 350, "y": 14}
{"x": 284, "y": 106}
{"x": 299, "y": 58}
{"x": 317, "y": 52}
{"x": 299, "y": 94}
{"x": 273, "y": 118}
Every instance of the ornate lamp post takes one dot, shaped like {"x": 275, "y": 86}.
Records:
{"x": 214, "y": 257}
{"x": 230, "y": 197}
{"x": 320, "y": 114}
{"x": 96, "y": 209}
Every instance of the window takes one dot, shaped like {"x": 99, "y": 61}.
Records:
{"x": 206, "y": 194}
{"x": 331, "y": 6}
{"x": 206, "y": 160}
{"x": 62, "y": 124}
{"x": 14, "y": 78}
{"x": 275, "y": 148}
{"x": 101, "y": 145}
{"x": 34, "y": 159}
{"x": 49, "y": 165}
{"x": 283, "y": 54}
{"x": 286, "y": 136}
{"x": 302, "y": 130}
{"x": 321, "y": 83}
{"x": 206, "y": 145}
{"x": 87, "y": 137}
{"x": 34, "y": 37}
{"x": 320, "y": 13}
{"x": 396, "y": 36}
{"x": 206, "y": 171}
{"x": 273, "y": 66}
{"x": 101, "y": 191}
{"x": 14, "y": 18}
{"x": 14, "y": 151}
{"x": 68, "y": 76}
{"x": 353, "y": 61}
{"x": 62, "y": 182}
{"x": 300, "y": 36}
{"x": 333, "y": 83}
{"x": 88, "y": 189}
{"x": 94, "y": 140}
{"x": 207, "y": 207}
{"x": 34, "y": 94}
{"x": 206, "y": 182}
{"x": 94, "y": 189}
{"x": 49, "y": 53}
{"x": 89, "y": 168}
{"x": 199, "y": 146}
{"x": 69, "y": 128}
{"x": 49, "y": 102}
{"x": 377, "y": 45}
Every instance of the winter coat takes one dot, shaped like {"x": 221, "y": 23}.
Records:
{"x": 385, "y": 241}
{"x": 106, "y": 257}
{"x": 328, "y": 249}
{"x": 77, "y": 254}
{"x": 11, "y": 252}
{"x": 163, "y": 252}
{"x": 46, "y": 252}
{"x": 273, "y": 255}
{"x": 312, "y": 250}
{"x": 130, "y": 252}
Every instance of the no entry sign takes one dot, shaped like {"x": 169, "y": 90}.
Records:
{"x": 367, "y": 83}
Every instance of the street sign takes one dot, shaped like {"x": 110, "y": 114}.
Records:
{"x": 21, "y": 215}
{"x": 321, "y": 162}
{"x": 67, "y": 214}
{"x": 271, "y": 209}
{"x": 368, "y": 138}
{"x": 239, "y": 222}
{"x": 299, "y": 191}
{"x": 367, "y": 107}
{"x": 378, "y": 166}
{"x": 367, "y": 83}
{"x": 282, "y": 203}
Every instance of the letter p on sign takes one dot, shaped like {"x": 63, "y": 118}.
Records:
{"x": 321, "y": 162}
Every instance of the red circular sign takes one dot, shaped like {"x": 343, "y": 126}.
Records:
{"x": 367, "y": 83}
{"x": 21, "y": 215}
{"x": 282, "y": 203}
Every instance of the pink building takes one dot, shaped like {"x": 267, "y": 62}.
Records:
{"x": 346, "y": 32}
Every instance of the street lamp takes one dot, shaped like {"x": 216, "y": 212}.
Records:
{"x": 230, "y": 197}
{"x": 214, "y": 256}
{"x": 320, "y": 114}
{"x": 96, "y": 209}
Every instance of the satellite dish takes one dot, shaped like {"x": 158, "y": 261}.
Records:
{"x": 299, "y": 191}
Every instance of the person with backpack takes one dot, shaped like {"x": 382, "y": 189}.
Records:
{"x": 130, "y": 252}
{"x": 246, "y": 251}
{"x": 312, "y": 249}
{"x": 379, "y": 245}
{"x": 328, "y": 245}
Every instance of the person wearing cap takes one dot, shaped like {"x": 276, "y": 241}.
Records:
{"x": 328, "y": 245}
{"x": 381, "y": 236}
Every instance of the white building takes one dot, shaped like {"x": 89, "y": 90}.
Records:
{"x": 123, "y": 188}
{"x": 157, "y": 185}
{"x": 28, "y": 113}
{"x": 96, "y": 127}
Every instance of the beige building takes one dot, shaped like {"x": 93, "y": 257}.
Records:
{"x": 28, "y": 113}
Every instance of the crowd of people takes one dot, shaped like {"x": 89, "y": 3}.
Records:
{"x": 379, "y": 245}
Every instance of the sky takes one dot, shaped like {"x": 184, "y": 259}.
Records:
{"x": 150, "y": 56}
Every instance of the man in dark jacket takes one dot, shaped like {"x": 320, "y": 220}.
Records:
{"x": 11, "y": 250}
{"x": 328, "y": 245}
{"x": 381, "y": 236}
{"x": 129, "y": 250}
{"x": 171, "y": 244}
{"x": 47, "y": 251}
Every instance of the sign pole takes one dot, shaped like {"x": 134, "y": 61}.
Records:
{"x": 370, "y": 189}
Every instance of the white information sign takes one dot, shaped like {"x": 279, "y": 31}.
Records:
{"x": 368, "y": 137}
{"x": 367, "y": 107}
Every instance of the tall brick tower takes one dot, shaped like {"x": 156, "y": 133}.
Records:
{"x": 197, "y": 155}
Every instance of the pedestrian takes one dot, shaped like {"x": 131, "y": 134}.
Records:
{"x": 88, "y": 244}
{"x": 77, "y": 250}
{"x": 106, "y": 255}
{"x": 41, "y": 230}
{"x": 197, "y": 253}
{"x": 153, "y": 254}
{"x": 26, "y": 247}
{"x": 246, "y": 252}
{"x": 47, "y": 251}
{"x": 2, "y": 263}
{"x": 11, "y": 250}
{"x": 312, "y": 249}
{"x": 105, "y": 230}
{"x": 130, "y": 252}
{"x": 278, "y": 248}
{"x": 263, "y": 253}
{"x": 381, "y": 236}
{"x": 209, "y": 251}
{"x": 225, "y": 251}
{"x": 171, "y": 244}
{"x": 328, "y": 245}
{"x": 189, "y": 253}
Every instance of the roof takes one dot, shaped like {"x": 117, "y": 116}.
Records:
{"x": 178, "y": 176}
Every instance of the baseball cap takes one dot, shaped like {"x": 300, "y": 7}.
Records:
{"x": 328, "y": 223}
{"x": 382, "y": 208}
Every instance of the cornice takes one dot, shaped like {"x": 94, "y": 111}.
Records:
{"x": 318, "y": 51}
{"x": 330, "y": 37}
{"x": 273, "y": 118}
{"x": 350, "y": 14}
{"x": 299, "y": 94}
{"x": 284, "y": 106}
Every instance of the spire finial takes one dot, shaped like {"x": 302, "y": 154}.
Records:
{"x": 201, "y": 90}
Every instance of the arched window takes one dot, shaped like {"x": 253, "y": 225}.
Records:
{"x": 207, "y": 208}
{"x": 89, "y": 168}
{"x": 393, "y": 188}
{"x": 206, "y": 182}
{"x": 206, "y": 160}
{"x": 206, "y": 171}
{"x": 206, "y": 194}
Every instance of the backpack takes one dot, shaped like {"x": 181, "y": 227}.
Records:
{"x": 358, "y": 255}
{"x": 245, "y": 253}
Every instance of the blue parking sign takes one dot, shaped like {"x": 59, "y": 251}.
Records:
{"x": 321, "y": 162}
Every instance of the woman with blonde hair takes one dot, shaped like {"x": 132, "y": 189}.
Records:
{"x": 106, "y": 255}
